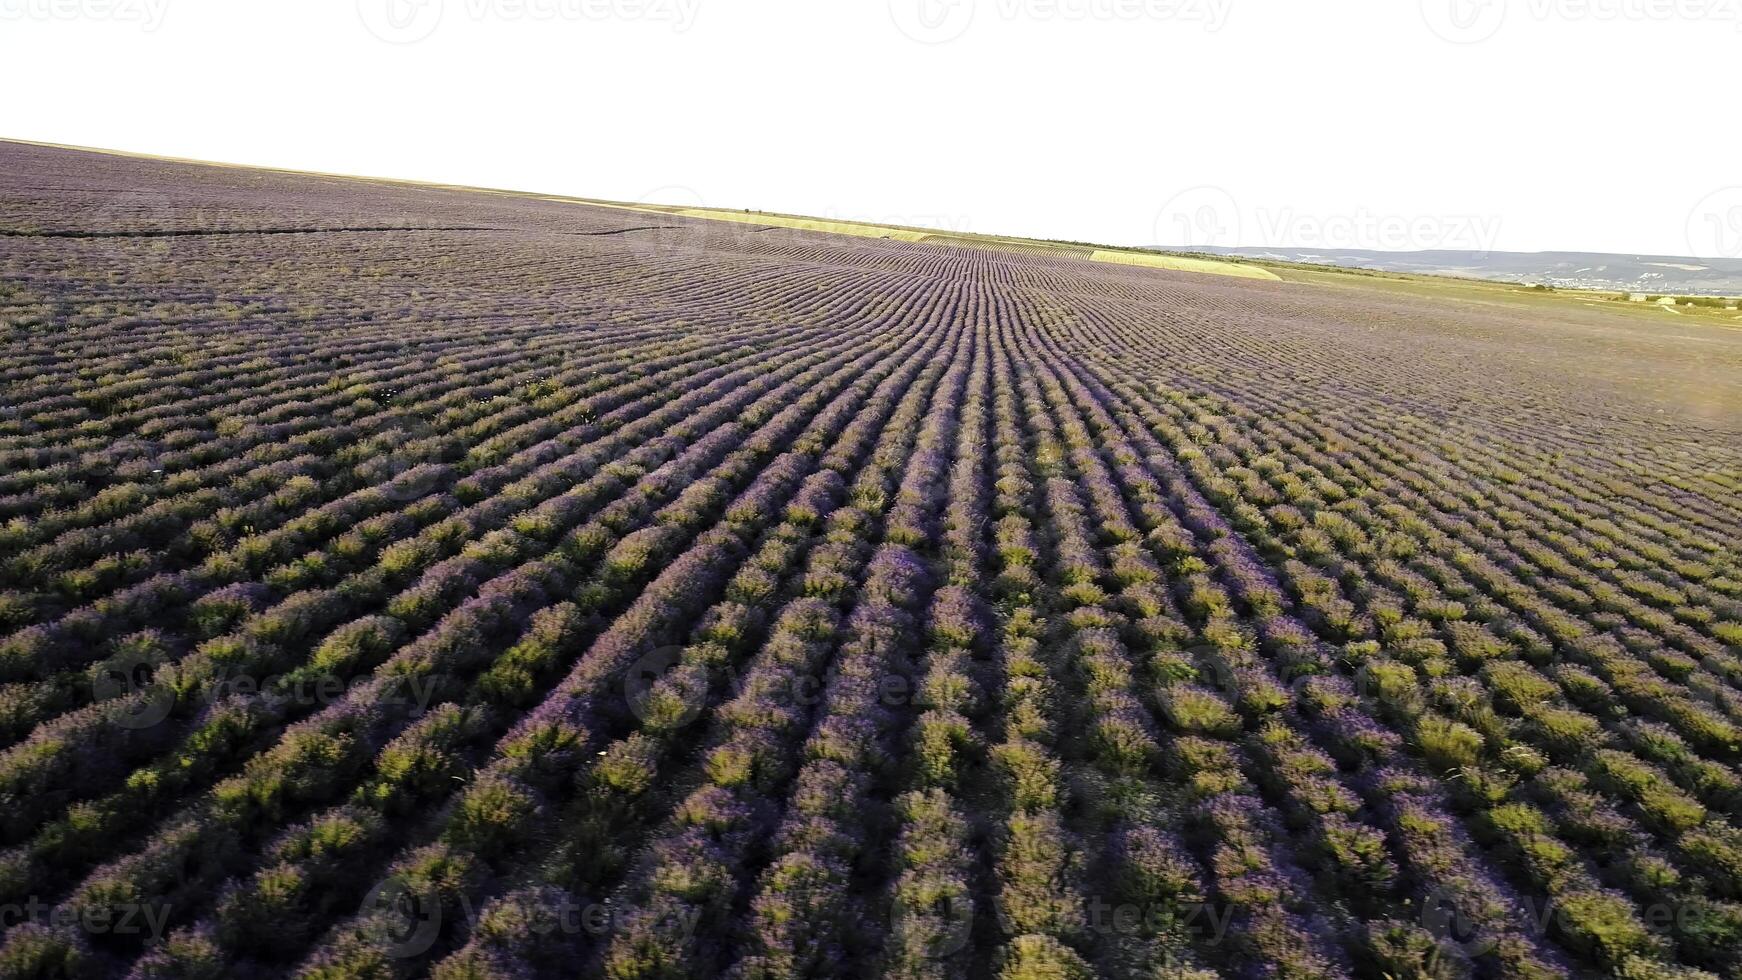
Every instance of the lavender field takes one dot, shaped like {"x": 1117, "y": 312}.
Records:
{"x": 409, "y": 581}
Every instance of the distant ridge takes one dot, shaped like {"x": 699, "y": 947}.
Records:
{"x": 1660, "y": 274}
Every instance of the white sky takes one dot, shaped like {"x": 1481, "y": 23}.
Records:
{"x": 1600, "y": 125}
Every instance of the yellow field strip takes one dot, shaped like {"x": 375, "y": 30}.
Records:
{"x": 1181, "y": 263}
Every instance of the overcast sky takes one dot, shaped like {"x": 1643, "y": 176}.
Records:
{"x": 1598, "y": 125}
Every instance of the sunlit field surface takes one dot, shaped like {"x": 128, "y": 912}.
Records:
{"x": 403, "y": 581}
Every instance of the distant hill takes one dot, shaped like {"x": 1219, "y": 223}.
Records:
{"x": 1581, "y": 270}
